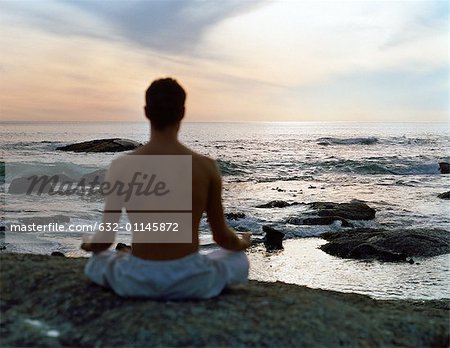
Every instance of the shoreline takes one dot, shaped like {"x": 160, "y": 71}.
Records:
{"x": 65, "y": 309}
{"x": 302, "y": 262}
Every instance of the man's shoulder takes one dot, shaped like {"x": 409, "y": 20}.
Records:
{"x": 203, "y": 160}
{"x": 204, "y": 163}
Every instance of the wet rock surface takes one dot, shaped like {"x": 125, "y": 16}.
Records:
{"x": 2, "y": 238}
{"x": 276, "y": 204}
{"x": 102, "y": 145}
{"x": 47, "y": 302}
{"x": 235, "y": 216}
{"x": 273, "y": 239}
{"x": 387, "y": 245}
{"x": 444, "y": 167}
{"x": 326, "y": 213}
{"x": 445, "y": 195}
{"x": 355, "y": 210}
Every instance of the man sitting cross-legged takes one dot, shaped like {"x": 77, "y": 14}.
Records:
{"x": 172, "y": 270}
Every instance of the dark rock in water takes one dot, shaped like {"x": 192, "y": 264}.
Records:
{"x": 44, "y": 220}
{"x": 58, "y": 253}
{"x": 276, "y": 204}
{"x": 2, "y": 238}
{"x": 324, "y": 220}
{"x": 355, "y": 210}
{"x": 445, "y": 195}
{"x": 370, "y": 251}
{"x": 235, "y": 216}
{"x": 102, "y": 145}
{"x": 39, "y": 183}
{"x": 123, "y": 247}
{"x": 2, "y": 172}
{"x": 387, "y": 245}
{"x": 273, "y": 239}
{"x": 444, "y": 167}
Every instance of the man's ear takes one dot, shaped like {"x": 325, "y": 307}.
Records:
{"x": 146, "y": 112}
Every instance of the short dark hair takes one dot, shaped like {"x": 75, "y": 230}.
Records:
{"x": 165, "y": 102}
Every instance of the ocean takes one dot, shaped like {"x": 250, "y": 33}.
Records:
{"x": 393, "y": 167}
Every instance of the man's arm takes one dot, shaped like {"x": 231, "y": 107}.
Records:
{"x": 222, "y": 233}
{"x": 104, "y": 237}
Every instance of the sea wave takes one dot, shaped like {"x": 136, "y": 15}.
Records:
{"x": 231, "y": 168}
{"x": 35, "y": 145}
{"x": 307, "y": 171}
{"x": 418, "y": 141}
{"x": 12, "y": 170}
{"x": 253, "y": 224}
{"x": 365, "y": 167}
{"x": 285, "y": 178}
{"x": 347, "y": 141}
{"x": 261, "y": 171}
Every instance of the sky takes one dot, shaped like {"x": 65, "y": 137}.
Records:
{"x": 375, "y": 61}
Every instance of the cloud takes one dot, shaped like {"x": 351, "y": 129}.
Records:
{"x": 424, "y": 20}
{"x": 305, "y": 43}
{"x": 169, "y": 26}
{"x": 175, "y": 26}
{"x": 49, "y": 16}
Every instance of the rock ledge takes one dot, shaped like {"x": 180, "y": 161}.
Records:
{"x": 387, "y": 245}
{"x": 47, "y": 301}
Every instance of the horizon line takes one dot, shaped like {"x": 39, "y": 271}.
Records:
{"x": 222, "y": 121}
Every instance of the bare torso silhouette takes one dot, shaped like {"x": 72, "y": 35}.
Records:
{"x": 204, "y": 171}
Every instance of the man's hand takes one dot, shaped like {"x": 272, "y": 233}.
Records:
{"x": 245, "y": 240}
{"x": 95, "y": 247}
{"x": 86, "y": 244}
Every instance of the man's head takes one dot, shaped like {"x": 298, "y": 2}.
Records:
{"x": 164, "y": 103}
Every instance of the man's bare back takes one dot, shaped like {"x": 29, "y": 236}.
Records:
{"x": 204, "y": 174}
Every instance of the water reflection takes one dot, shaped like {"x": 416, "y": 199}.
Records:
{"x": 302, "y": 263}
